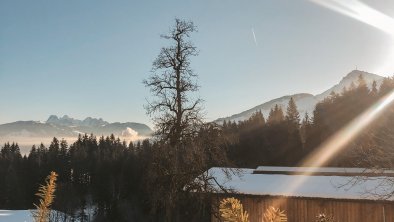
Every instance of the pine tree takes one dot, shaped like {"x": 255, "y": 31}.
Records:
{"x": 255, "y": 120}
{"x": 362, "y": 90}
{"x": 386, "y": 86}
{"x": 279, "y": 117}
{"x": 15, "y": 150}
{"x": 293, "y": 148}
{"x": 64, "y": 162}
{"x": 225, "y": 126}
{"x": 275, "y": 115}
{"x": 53, "y": 155}
{"x": 374, "y": 89}
{"x": 54, "y": 147}
{"x": 292, "y": 114}
{"x": 42, "y": 152}
{"x": 305, "y": 127}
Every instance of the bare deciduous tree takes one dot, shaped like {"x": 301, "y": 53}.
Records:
{"x": 174, "y": 112}
{"x": 185, "y": 147}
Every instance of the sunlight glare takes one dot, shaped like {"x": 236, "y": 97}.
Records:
{"x": 341, "y": 138}
{"x": 338, "y": 141}
{"x": 360, "y": 11}
{"x": 326, "y": 151}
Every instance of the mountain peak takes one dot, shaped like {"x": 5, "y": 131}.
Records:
{"x": 69, "y": 121}
{"x": 89, "y": 121}
{"x": 66, "y": 117}
{"x": 52, "y": 118}
{"x": 356, "y": 73}
{"x": 352, "y": 77}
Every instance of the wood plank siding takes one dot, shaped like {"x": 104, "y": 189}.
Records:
{"x": 305, "y": 209}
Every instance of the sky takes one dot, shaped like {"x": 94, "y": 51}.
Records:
{"x": 89, "y": 58}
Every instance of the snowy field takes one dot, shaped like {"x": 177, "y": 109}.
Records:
{"x": 25, "y": 216}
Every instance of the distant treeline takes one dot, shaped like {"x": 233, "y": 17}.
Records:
{"x": 122, "y": 183}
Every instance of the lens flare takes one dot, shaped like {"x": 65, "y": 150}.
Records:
{"x": 338, "y": 141}
{"x": 370, "y": 16}
{"x": 345, "y": 135}
{"x": 363, "y": 13}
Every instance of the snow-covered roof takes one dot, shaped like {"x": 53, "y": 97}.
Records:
{"x": 256, "y": 182}
{"x": 334, "y": 171}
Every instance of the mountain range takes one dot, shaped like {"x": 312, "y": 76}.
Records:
{"x": 305, "y": 102}
{"x": 27, "y": 133}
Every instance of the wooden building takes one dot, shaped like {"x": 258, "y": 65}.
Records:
{"x": 348, "y": 194}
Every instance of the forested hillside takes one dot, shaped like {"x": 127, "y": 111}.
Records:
{"x": 285, "y": 138}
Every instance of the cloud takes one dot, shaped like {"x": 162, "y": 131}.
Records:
{"x": 129, "y": 132}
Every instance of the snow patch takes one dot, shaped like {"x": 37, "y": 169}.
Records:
{"x": 23, "y": 215}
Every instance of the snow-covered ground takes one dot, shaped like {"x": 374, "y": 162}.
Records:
{"x": 15, "y": 216}
{"x": 26, "y": 216}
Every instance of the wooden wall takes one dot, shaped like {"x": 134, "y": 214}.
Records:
{"x": 306, "y": 209}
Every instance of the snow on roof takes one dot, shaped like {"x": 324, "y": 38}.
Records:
{"x": 334, "y": 171}
{"x": 245, "y": 181}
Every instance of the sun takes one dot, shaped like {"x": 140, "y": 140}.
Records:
{"x": 364, "y": 13}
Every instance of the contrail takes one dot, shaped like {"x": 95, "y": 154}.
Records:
{"x": 254, "y": 37}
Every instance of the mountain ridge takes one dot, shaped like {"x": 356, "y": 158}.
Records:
{"x": 69, "y": 127}
{"x": 69, "y": 121}
{"x": 305, "y": 101}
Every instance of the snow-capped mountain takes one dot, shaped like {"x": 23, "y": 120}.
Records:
{"x": 304, "y": 101}
{"x": 68, "y": 121}
{"x": 347, "y": 81}
{"x": 27, "y": 133}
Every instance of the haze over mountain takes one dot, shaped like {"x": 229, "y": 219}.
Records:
{"x": 305, "y": 102}
{"x": 27, "y": 133}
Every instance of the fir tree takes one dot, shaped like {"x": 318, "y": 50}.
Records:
{"x": 292, "y": 114}
{"x": 275, "y": 115}
{"x": 305, "y": 127}
{"x": 374, "y": 89}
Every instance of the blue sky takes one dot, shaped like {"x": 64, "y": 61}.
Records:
{"x": 88, "y": 58}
